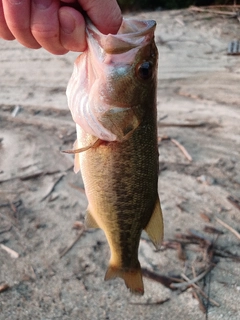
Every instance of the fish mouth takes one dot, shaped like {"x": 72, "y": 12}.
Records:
{"x": 132, "y": 34}
{"x": 97, "y": 72}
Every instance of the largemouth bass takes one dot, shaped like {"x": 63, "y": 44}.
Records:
{"x": 112, "y": 98}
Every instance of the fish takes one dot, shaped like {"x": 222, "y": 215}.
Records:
{"x": 112, "y": 98}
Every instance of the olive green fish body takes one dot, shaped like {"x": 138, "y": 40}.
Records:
{"x": 120, "y": 180}
{"x": 119, "y": 162}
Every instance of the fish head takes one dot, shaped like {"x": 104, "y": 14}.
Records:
{"x": 114, "y": 81}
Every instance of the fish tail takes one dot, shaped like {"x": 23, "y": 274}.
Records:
{"x": 131, "y": 276}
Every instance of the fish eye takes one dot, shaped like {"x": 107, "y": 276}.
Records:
{"x": 145, "y": 70}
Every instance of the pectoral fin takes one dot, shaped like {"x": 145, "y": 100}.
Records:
{"x": 154, "y": 227}
{"x": 90, "y": 222}
{"x": 76, "y": 168}
{"x": 92, "y": 145}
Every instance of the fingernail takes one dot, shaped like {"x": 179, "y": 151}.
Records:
{"x": 67, "y": 22}
{"x": 42, "y": 4}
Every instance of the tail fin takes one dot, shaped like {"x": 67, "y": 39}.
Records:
{"x": 132, "y": 277}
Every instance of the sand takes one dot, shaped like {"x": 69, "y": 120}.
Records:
{"x": 41, "y": 198}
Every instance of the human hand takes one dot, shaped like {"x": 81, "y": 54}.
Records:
{"x": 56, "y": 25}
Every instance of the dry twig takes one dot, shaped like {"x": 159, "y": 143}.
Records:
{"x": 205, "y": 217}
{"x": 224, "y": 6}
{"x": 183, "y": 125}
{"x": 73, "y": 243}
{"x": 212, "y": 230}
{"x": 201, "y": 291}
{"x": 226, "y": 13}
{"x": 181, "y": 253}
{"x": 201, "y": 304}
{"x": 4, "y": 287}
{"x": 15, "y": 111}
{"x": 190, "y": 282}
{"x": 234, "y": 202}
{"x": 166, "y": 281}
{"x": 237, "y": 234}
{"x": 11, "y": 252}
{"x": 182, "y": 148}
{"x": 179, "y": 145}
{"x": 156, "y": 303}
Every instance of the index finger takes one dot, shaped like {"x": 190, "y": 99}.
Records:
{"x": 17, "y": 15}
{"x": 105, "y": 14}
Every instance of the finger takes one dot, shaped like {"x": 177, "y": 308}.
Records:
{"x": 72, "y": 29}
{"x": 105, "y": 14}
{"x": 5, "y": 33}
{"x": 45, "y": 25}
{"x": 17, "y": 15}
{"x": 68, "y": 1}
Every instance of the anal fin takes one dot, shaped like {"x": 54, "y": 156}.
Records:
{"x": 90, "y": 222}
{"x": 154, "y": 227}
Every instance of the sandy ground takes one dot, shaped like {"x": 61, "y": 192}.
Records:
{"x": 41, "y": 198}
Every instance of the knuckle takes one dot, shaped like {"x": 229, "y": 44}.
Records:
{"x": 44, "y": 30}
